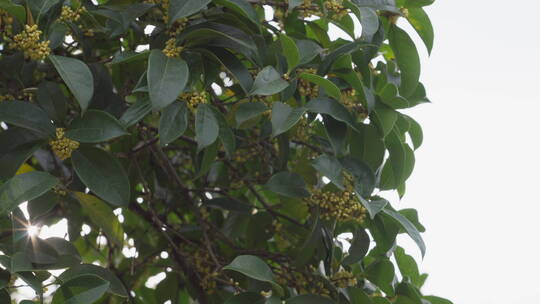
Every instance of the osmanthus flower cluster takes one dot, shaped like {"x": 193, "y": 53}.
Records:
{"x": 209, "y": 151}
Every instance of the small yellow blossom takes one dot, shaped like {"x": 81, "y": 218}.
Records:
{"x": 63, "y": 146}
{"x": 171, "y": 50}
{"x": 28, "y": 41}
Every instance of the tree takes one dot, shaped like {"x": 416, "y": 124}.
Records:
{"x": 225, "y": 147}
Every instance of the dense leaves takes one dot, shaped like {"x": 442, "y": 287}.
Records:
{"x": 209, "y": 151}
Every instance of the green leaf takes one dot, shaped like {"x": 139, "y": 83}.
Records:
{"x": 102, "y": 215}
{"x": 364, "y": 178}
{"x": 5, "y": 277}
{"x": 136, "y": 112}
{"x": 311, "y": 242}
{"x": 291, "y": 52}
{"x": 129, "y": 56}
{"x": 381, "y": 273}
{"x": 387, "y": 5}
{"x": 368, "y": 146}
{"x": 399, "y": 164}
{"x": 166, "y": 77}
{"x": 51, "y": 98}
{"x": 234, "y": 66}
{"x": 411, "y": 230}
{"x": 41, "y": 7}
{"x": 288, "y": 184}
{"x": 390, "y": 96}
{"x": 67, "y": 254}
{"x": 81, "y": 290}
{"x": 242, "y": 7}
{"x": 268, "y": 82}
{"x": 20, "y": 263}
{"x": 284, "y": 117}
{"x": 407, "y": 266}
{"x": 415, "y": 132}
{"x": 227, "y": 203}
{"x": 246, "y": 298}
{"x": 329, "y": 87}
{"x": 15, "y": 10}
{"x": 116, "y": 287}
{"x": 420, "y": 21}
{"x": 309, "y": 299}
{"x": 24, "y": 187}
{"x": 226, "y": 135}
{"x": 437, "y": 300}
{"x": 16, "y": 146}
{"x": 173, "y": 122}
{"x": 27, "y": 116}
{"x": 249, "y": 110}
{"x": 380, "y": 300}
{"x": 358, "y": 296}
{"x": 384, "y": 118}
{"x": 308, "y": 50}
{"x": 220, "y": 35}
{"x": 183, "y": 8}
{"x": 94, "y": 127}
{"x": 254, "y": 268}
{"x": 374, "y": 206}
{"x": 77, "y": 77}
{"x": 330, "y": 167}
{"x": 418, "y": 3}
{"x": 359, "y": 247}
{"x": 407, "y": 59}
{"x": 206, "y": 126}
{"x": 334, "y": 108}
{"x": 102, "y": 174}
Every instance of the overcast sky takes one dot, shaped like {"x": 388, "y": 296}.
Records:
{"x": 476, "y": 179}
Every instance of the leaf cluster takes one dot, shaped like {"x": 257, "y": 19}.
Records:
{"x": 209, "y": 151}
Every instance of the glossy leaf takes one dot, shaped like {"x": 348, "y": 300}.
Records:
{"x": 381, "y": 273}
{"x": 268, "y": 82}
{"x": 102, "y": 215}
{"x": 94, "y": 127}
{"x": 288, "y": 184}
{"x": 51, "y": 98}
{"x": 411, "y": 230}
{"x": 28, "y": 116}
{"x": 206, "y": 126}
{"x": 333, "y": 108}
{"x": 407, "y": 59}
{"x": 420, "y": 21}
{"x": 331, "y": 168}
{"x": 167, "y": 77}
{"x": 253, "y": 267}
{"x": 81, "y": 290}
{"x": 173, "y": 122}
{"x": 242, "y": 7}
{"x": 249, "y": 110}
{"x": 309, "y": 299}
{"x": 77, "y": 77}
{"x": 102, "y": 174}
{"x": 291, "y": 52}
{"x": 115, "y": 285}
{"x": 24, "y": 187}
{"x": 284, "y": 117}
{"x": 329, "y": 87}
{"x": 359, "y": 247}
{"x": 183, "y": 8}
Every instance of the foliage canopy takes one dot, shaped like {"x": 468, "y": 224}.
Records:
{"x": 223, "y": 146}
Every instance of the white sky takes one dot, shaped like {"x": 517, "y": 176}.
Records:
{"x": 475, "y": 180}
